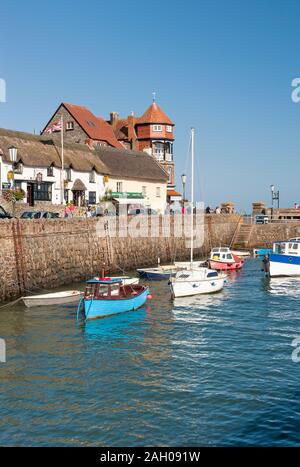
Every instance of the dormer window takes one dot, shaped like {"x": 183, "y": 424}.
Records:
{"x": 18, "y": 168}
{"x": 70, "y": 126}
{"x": 50, "y": 171}
{"x": 92, "y": 178}
{"x": 157, "y": 127}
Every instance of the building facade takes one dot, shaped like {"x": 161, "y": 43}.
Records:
{"x": 89, "y": 175}
{"x": 152, "y": 133}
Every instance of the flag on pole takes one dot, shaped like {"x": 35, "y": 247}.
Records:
{"x": 57, "y": 126}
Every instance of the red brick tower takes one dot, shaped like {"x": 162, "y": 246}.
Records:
{"x": 154, "y": 134}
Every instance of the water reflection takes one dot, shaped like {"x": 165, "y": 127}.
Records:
{"x": 284, "y": 286}
{"x": 116, "y": 326}
{"x": 198, "y": 302}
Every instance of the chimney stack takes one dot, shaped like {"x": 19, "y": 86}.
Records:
{"x": 131, "y": 130}
{"x": 114, "y": 116}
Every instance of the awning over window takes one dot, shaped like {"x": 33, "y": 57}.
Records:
{"x": 130, "y": 200}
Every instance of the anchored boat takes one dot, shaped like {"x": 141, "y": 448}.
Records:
{"x": 195, "y": 279}
{"x": 224, "y": 260}
{"x": 284, "y": 259}
{"x": 158, "y": 274}
{"x": 105, "y": 297}
{"x": 56, "y": 298}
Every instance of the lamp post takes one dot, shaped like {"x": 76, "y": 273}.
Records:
{"x": 183, "y": 179}
{"x": 13, "y": 153}
{"x": 275, "y": 196}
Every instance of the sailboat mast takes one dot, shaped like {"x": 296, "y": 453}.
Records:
{"x": 192, "y": 193}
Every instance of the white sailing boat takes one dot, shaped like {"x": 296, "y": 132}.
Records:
{"x": 195, "y": 279}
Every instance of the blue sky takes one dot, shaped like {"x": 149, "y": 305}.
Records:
{"x": 224, "y": 67}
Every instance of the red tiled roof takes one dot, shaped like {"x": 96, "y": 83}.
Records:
{"x": 154, "y": 114}
{"x": 120, "y": 128}
{"x": 172, "y": 192}
{"x": 95, "y": 127}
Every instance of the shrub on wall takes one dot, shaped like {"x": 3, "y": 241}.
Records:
{"x": 14, "y": 195}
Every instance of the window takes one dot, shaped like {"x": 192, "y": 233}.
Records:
{"x": 169, "y": 170}
{"x": 92, "y": 197}
{"x": 92, "y": 178}
{"x": 70, "y": 126}
{"x": 18, "y": 184}
{"x": 119, "y": 187}
{"x": 43, "y": 191}
{"x": 18, "y": 168}
{"x": 157, "y": 127}
{"x": 169, "y": 128}
{"x": 50, "y": 171}
{"x": 157, "y": 192}
{"x": 159, "y": 151}
{"x": 144, "y": 191}
{"x": 68, "y": 174}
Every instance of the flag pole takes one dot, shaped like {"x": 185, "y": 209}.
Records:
{"x": 62, "y": 162}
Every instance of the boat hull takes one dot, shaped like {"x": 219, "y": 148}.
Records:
{"x": 222, "y": 266}
{"x": 187, "y": 289}
{"x": 283, "y": 265}
{"x": 156, "y": 275}
{"x": 262, "y": 251}
{"x": 58, "y": 298}
{"x": 95, "y": 309}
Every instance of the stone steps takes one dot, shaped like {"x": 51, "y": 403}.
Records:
{"x": 242, "y": 236}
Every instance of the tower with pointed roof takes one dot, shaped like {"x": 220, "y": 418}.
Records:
{"x": 155, "y": 135}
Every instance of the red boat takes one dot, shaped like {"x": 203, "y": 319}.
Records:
{"x": 222, "y": 259}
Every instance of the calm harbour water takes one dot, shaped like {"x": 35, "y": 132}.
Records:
{"x": 210, "y": 370}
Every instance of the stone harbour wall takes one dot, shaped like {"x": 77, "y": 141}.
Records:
{"x": 48, "y": 253}
{"x": 263, "y": 235}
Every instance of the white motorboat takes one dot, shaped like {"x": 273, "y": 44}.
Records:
{"x": 284, "y": 260}
{"x": 55, "y": 298}
{"x": 195, "y": 279}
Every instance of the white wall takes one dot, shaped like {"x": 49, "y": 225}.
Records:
{"x": 30, "y": 173}
{"x": 155, "y": 202}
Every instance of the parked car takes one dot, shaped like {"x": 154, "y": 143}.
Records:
{"x": 4, "y": 214}
{"x": 39, "y": 215}
{"x": 142, "y": 211}
{"x": 261, "y": 219}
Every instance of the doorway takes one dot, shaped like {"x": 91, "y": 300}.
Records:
{"x": 30, "y": 194}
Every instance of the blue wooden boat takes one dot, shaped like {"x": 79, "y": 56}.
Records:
{"x": 105, "y": 297}
{"x": 156, "y": 274}
{"x": 262, "y": 251}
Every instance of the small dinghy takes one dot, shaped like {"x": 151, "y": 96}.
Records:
{"x": 56, "y": 298}
{"x": 241, "y": 253}
{"x": 109, "y": 297}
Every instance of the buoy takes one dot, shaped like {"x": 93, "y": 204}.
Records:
{"x": 149, "y": 297}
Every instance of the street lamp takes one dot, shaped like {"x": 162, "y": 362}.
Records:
{"x": 183, "y": 179}
{"x": 275, "y": 196}
{"x": 13, "y": 153}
